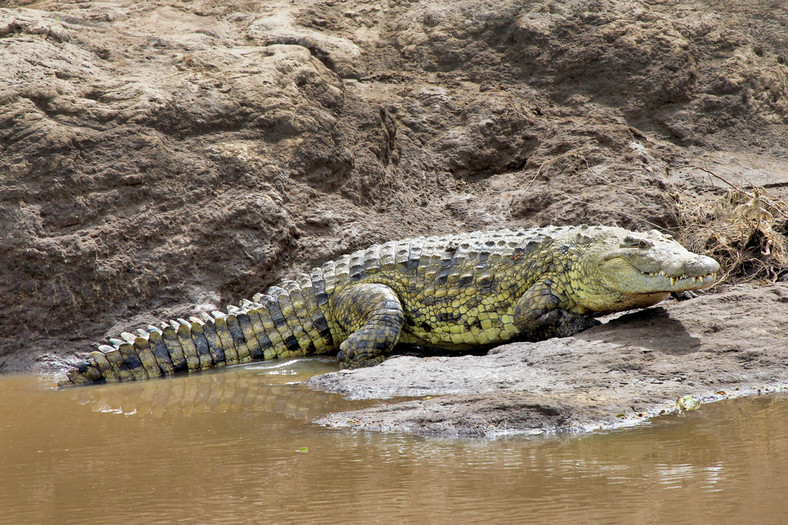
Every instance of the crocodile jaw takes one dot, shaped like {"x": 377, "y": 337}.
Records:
{"x": 683, "y": 282}
{"x": 634, "y": 274}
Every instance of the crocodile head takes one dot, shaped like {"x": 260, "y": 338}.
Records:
{"x": 640, "y": 269}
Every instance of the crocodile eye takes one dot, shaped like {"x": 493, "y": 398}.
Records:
{"x": 634, "y": 242}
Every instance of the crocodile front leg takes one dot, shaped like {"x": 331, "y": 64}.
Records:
{"x": 540, "y": 314}
{"x": 372, "y": 314}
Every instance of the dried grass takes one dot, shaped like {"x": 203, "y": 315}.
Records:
{"x": 745, "y": 230}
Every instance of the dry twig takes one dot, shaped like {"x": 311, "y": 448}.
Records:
{"x": 744, "y": 229}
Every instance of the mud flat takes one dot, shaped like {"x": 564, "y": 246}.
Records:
{"x": 621, "y": 373}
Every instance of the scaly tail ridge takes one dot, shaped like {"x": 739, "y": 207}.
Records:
{"x": 285, "y": 322}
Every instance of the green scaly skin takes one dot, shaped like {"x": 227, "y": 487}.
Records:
{"x": 458, "y": 292}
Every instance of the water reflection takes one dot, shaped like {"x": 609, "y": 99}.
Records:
{"x": 273, "y": 386}
{"x": 236, "y": 446}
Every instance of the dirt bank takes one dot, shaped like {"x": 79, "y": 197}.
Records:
{"x": 162, "y": 158}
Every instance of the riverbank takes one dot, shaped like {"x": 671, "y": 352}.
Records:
{"x": 167, "y": 158}
{"x": 622, "y": 373}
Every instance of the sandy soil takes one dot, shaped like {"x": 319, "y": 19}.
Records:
{"x": 161, "y": 158}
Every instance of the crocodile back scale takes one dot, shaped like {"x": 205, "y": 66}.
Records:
{"x": 453, "y": 292}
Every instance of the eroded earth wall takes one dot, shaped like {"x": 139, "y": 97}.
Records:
{"x": 158, "y": 158}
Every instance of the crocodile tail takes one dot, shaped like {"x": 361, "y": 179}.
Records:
{"x": 287, "y": 321}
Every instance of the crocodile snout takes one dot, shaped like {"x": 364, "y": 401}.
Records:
{"x": 701, "y": 265}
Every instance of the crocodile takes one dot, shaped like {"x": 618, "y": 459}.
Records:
{"x": 455, "y": 292}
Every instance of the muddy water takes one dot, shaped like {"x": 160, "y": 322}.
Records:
{"x": 236, "y": 446}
